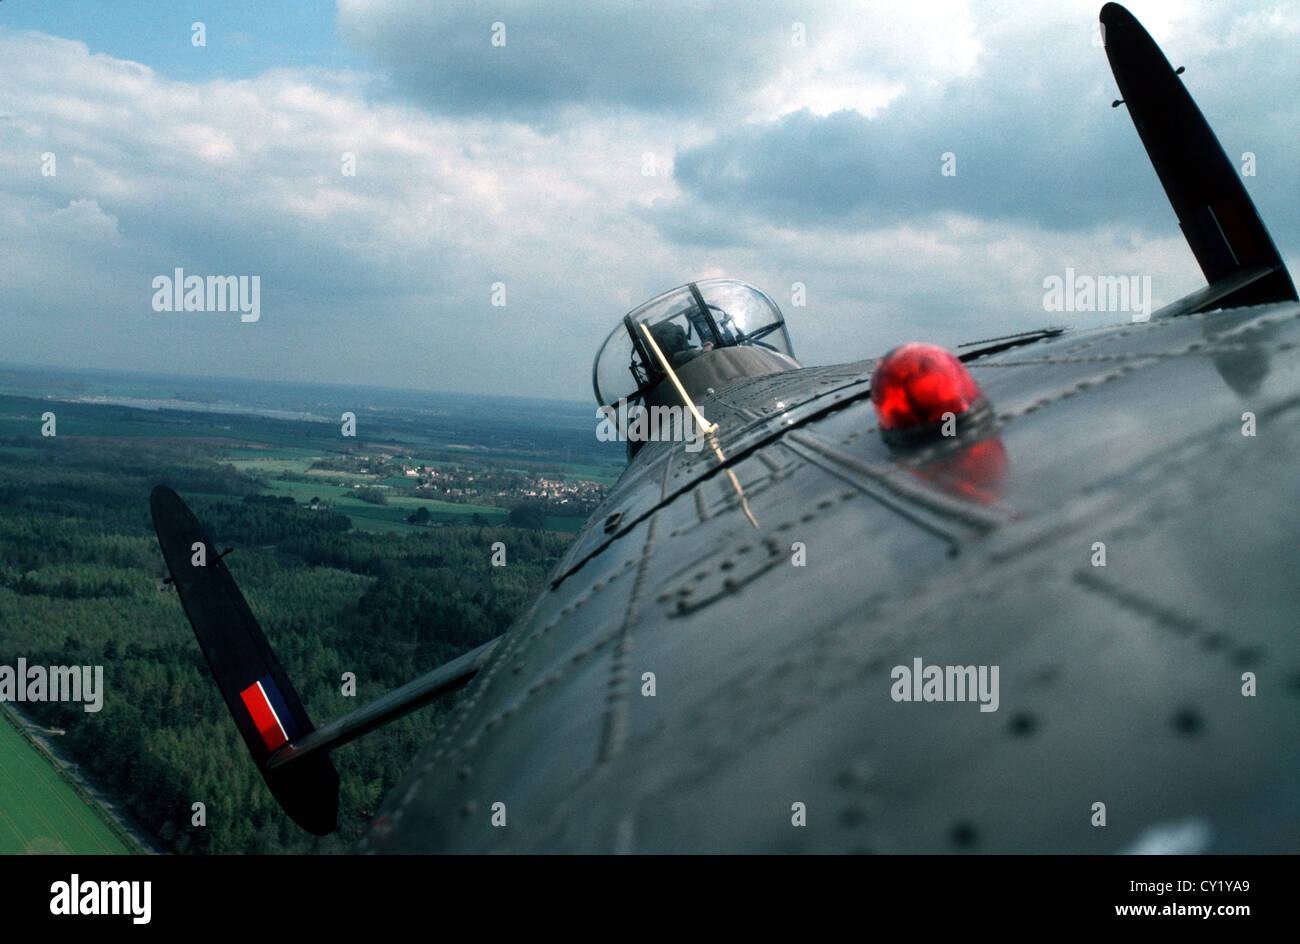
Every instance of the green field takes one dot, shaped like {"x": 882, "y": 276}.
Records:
{"x": 41, "y": 812}
{"x": 255, "y": 456}
{"x": 345, "y": 500}
{"x": 392, "y": 517}
{"x": 274, "y": 465}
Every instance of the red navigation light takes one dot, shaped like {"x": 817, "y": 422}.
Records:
{"x": 914, "y": 385}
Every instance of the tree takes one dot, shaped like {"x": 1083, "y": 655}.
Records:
{"x": 529, "y": 515}
{"x": 420, "y": 516}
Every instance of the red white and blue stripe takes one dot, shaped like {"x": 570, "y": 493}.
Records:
{"x": 269, "y": 711}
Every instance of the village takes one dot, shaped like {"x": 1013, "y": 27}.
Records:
{"x": 461, "y": 484}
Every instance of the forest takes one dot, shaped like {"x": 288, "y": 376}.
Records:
{"x": 81, "y": 582}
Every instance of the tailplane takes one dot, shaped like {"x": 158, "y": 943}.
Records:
{"x": 1217, "y": 217}
{"x": 291, "y": 753}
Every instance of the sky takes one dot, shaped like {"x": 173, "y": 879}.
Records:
{"x": 468, "y": 196}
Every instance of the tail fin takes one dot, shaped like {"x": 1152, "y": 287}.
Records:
{"x": 257, "y": 691}
{"x": 1234, "y": 250}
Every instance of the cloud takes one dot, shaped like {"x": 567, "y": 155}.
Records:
{"x": 387, "y": 273}
{"x": 680, "y": 57}
{"x": 817, "y": 164}
{"x": 1023, "y": 137}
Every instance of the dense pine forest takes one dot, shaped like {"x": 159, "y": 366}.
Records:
{"x": 81, "y": 583}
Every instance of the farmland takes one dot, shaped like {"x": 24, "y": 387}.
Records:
{"x": 41, "y": 812}
{"x": 369, "y": 554}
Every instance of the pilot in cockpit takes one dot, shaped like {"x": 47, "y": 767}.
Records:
{"x": 672, "y": 340}
{"x": 738, "y": 326}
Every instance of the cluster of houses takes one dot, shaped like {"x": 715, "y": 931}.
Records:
{"x": 453, "y": 483}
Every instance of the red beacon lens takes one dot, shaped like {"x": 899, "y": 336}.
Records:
{"x": 914, "y": 385}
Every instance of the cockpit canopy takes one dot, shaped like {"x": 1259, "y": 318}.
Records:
{"x": 686, "y": 322}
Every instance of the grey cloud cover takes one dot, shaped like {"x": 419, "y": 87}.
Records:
{"x": 1032, "y": 137}
{"x": 663, "y": 56}
{"x": 774, "y": 163}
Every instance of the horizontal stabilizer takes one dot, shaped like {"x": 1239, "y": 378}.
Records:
{"x": 1214, "y": 211}
{"x": 1211, "y": 297}
{"x": 441, "y": 681}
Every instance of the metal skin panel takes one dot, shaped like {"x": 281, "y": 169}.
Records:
{"x": 743, "y": 413}
{"x": 1118, "y": 684}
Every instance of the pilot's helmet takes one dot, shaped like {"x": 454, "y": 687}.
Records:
{"x": 670, "y": 337}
